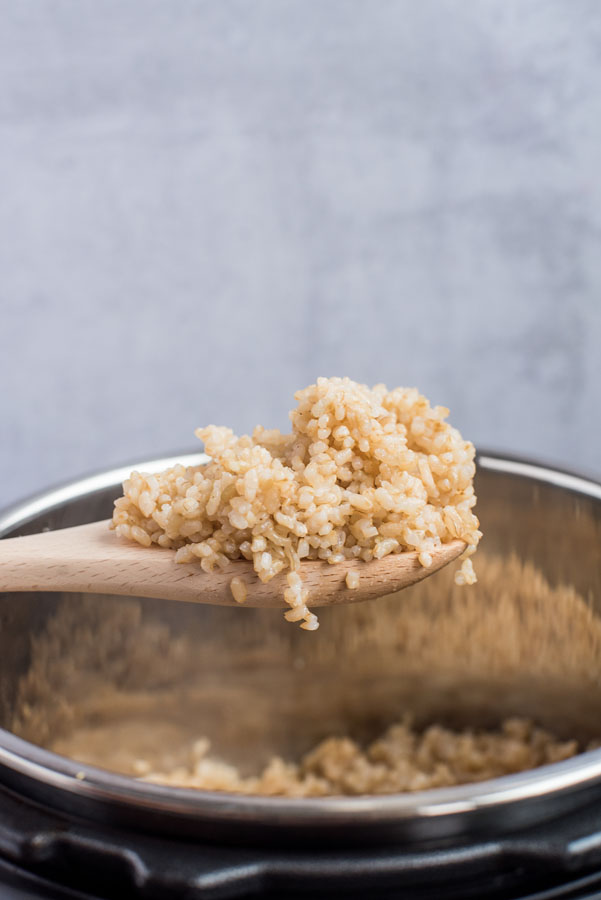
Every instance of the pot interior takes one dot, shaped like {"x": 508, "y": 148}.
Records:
{"x": 138, "y": 681}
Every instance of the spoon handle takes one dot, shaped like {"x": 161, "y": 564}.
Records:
{"x": 92, "y": 559}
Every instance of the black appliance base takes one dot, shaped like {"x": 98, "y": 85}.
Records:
{"x": 44, "y": 854}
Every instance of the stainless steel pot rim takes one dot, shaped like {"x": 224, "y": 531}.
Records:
{"x": 58, "y": 773}
{"x": 43, "y": 767}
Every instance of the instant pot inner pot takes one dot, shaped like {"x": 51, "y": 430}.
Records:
{"x": 143, "y": 679}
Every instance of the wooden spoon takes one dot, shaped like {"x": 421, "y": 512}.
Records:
{"x": 92, "y": 559}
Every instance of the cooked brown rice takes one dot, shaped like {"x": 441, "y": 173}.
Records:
{"x": 364, "y": 473}
{"x": 402, "y": 759}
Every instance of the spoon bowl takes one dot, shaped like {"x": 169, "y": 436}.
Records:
{"x": 92, "y": 559}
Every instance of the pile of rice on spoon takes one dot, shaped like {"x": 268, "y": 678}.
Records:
{"x": 364, "y": 473}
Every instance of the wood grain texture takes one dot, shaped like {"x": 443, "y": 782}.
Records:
{"x": 92, "y": 559}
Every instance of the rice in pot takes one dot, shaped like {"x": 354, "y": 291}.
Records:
{"x": 400, "y": 760}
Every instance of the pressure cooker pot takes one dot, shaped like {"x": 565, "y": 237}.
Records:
{"x": 100, "y": 693}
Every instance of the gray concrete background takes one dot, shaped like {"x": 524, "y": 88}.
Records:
{"x": 205, "y": 205}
